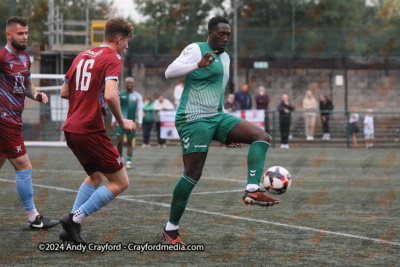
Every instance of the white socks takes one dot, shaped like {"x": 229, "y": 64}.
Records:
{"x": 32, "y": 215}
{"x": 252, "y": 187}
{"x": 78, "y": 216}
{"x": 171, "y": 227}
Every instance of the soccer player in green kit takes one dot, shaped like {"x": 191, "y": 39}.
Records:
{"x": 131, "y": 104}
{"x": 200, "y": 119}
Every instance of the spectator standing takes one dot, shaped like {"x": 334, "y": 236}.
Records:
{"x": 262, "y": 102}
{"x": 161, "y": 103}
{"x": 369, "y": 130}
{"x": 243, "y": 97}
{"x": 326, "y": 105}
{"x": 285, "y": 108}
{"x": 230, "y": 103}
{"x": 310, "y": 105}
{"x": 148, "y": 108}
{"x": 354, "y": 129}
{"x": 178, "y": 91}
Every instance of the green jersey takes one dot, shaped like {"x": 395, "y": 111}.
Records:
{"x": 148, "y": 112}
{"x": 130, "y": 103}
{"x": 204, "y": 90}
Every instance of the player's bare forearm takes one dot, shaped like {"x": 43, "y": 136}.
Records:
{"x": 64, "y": 91}
{"x": 31, "y": 92}
{"x": 112, "y": 97}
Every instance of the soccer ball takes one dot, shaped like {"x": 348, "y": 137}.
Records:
{"x": 277, "y": 180}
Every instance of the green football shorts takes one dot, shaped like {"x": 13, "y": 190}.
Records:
{"x": 196, "y": 135}
{"x": 120, "y": 133}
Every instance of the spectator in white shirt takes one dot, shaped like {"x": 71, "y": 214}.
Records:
{"x": 178, "y": 91}
{"x": 369, "y": 129}
{"x": 161, "y": 103}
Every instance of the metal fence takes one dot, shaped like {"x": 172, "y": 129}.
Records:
{"x": 44, "y": 123}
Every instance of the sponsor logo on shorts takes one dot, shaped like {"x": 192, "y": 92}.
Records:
{"x": 18, "y": 148}
{"x": 119, "y": 160}
{"x": 199, "y": 146}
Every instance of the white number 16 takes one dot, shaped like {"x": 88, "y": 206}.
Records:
{"x": 84, "y": 83}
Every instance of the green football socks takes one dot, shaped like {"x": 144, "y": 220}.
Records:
{"x": 180, "y": 198}
{"x": 255, "y": 161}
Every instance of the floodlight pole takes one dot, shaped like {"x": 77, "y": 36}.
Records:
{"x": 87, "y": 22}
{"x": 13, "y": 3}
{"x": 293, "y": 28}
{"x": 235, "y": 47}
{"x": 51, "y": 24}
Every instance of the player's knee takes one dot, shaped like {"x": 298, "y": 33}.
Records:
{"x": 261, "y": 136}
{"x": 124, "y": 185}
{"x": 194, "y": 174}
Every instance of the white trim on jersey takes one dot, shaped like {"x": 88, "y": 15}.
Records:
{"x": 139, "y": 109}
{"x": 185, "y": 63}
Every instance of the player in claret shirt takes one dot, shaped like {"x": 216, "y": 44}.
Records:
{"x": 15, "y": 84}
{"x": 90, "y": 84}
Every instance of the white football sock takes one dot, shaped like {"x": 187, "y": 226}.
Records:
{"x": 32, "y": 214}
{"x": 78, "y": 216}
{"x": 171, "y": 227}
{"x": 252, "y": 187}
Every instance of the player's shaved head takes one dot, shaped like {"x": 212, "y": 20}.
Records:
{"x": 129, "y": 84}
{"x": 129, "y": 79}
{"x": 17, "y": 33}
{"x": 11, "y": 22}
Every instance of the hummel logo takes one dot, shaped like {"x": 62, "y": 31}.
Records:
{"x": 185, "y": 139}
{"x": 38, "y": 225}
{"x": 11, "y": 65}
{"x": 252, "y": 172}
{"x": 119, "y": 160}
{"x": 19, "y": 149}
{"x": 186, "y": 146}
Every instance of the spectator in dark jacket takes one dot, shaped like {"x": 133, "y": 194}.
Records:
{"x": 325, "y": 104}
{"x": 243, "y": 97}
{"x": 262, "y": 101}
{"x": 231, "y": 104}
{"x": 285, "y": 109}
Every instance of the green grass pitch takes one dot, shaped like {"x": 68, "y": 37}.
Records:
{"x": 341, "y": 210}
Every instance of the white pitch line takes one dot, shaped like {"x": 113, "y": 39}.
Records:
{"x": 237, "y": 217}
{"x": 194, "y": 193}
{"x": 148, "y": 174}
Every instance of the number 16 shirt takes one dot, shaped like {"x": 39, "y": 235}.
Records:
{"x": 86, "y": 83}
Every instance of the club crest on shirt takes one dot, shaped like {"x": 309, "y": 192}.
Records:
{"x": 19, "y": 87}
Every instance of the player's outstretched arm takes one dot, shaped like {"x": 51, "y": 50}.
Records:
{"x": 185, "y": 63}
{"x": 31, "y": 92}
{"x": 111, "y": 95}
{"x": 64, "y": 91}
